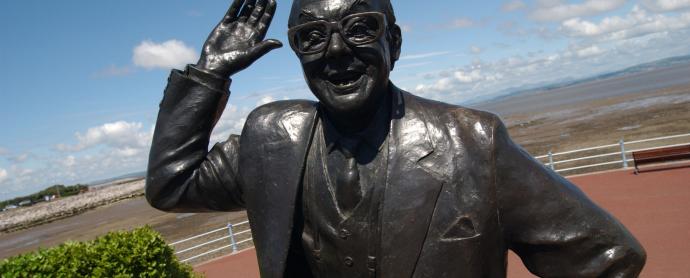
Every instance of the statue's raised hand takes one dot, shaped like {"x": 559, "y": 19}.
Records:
{"x": 238, "y": 40}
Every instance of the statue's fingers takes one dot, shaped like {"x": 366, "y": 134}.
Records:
{"x": 266, "y": 18}
{"x": 258, "y": 11}
{"x": 232, "y": 11}
{"x": 247, "y": 10}
{"x": 260, "y": 49}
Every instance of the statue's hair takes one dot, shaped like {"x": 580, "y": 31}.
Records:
{"x": 390, "y": 14}
{"x": 387, "y": 8}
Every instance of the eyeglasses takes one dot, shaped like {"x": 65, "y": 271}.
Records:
{"x": 355, "y": 29}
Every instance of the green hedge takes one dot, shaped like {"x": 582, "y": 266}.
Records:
{"x": 139, "y": 253}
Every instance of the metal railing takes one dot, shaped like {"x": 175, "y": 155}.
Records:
{"x": 604, "y": 156}
{"x": 212, "y": 238}
{"x": 597, "y": 160}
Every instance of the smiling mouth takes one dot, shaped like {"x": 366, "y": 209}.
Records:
{"x": 346, "y": 82}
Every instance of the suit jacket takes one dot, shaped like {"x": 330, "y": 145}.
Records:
{"x": 459, "y": 192}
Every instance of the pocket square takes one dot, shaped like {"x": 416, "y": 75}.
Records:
{"x": 462, "y": 228}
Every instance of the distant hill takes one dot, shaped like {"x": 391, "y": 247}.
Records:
{"x": 134, "y": 175}
{"x": 641, "y": 68}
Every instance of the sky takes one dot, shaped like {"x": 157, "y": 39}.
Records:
{"x": 81, "y": 80}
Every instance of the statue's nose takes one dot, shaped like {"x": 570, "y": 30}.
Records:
{"x": 337, "y": 46}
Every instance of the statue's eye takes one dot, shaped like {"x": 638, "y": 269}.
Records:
{"x": 311, "y": 39}
{"x": 315, "y": 36}
{"x": 361, "y": 31}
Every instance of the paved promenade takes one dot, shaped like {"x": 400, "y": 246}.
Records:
{"x": 654, "y": 205}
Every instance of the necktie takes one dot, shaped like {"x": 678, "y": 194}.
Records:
{"x": 348, "y": 191}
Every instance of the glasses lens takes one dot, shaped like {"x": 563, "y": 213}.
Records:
{"x": 361, "y": 29}
{"x": 311, "y": 37}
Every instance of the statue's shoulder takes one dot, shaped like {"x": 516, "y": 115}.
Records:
{"x": 274, "y": 112}
{"x": 443, "y": 113}
{"x": 279, "y": 120}
{"x": 456, "y": 123}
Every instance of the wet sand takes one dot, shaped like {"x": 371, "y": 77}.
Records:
{"x": 602, "y": 121}
{"x": 644, "y": 82}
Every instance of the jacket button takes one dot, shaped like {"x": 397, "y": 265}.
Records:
{"x": 349, "y": 262}
{"x": 344, "y": 234}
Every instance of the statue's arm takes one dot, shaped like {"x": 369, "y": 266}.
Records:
{"x": 554, "y": 228}
{"x": 182, "y": 174}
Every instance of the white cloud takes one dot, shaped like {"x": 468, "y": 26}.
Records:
{"x": 460, "y": 23}
{"x": 166, "y": 55}
{"x": 16, "y": 178}
{"x": 231, "y": 122}
{"x": 557, "y": 10}
{"x": 636, "y": 23}
{"x": 99, "y": 152}
{"x": 265, "y": 100}
{"x": 69, "y": 161}
{"x": 481, "y": 80}
{"x": 666, "y": 5}
{"x": 19, "y": 158}
{"x": 476, "y": 49}
{"x": 424, "y": 55}
{"x": 4, "y": 151}
{"x": 589, "y": 51}
{"x": 468, "y": 77}
{"x": 406, "y": 28}
{"x": 3, "y": 175}
{"x": 120, "y": 135}
{"x": 513, "y": 5}
{"x": 412, "y": 65}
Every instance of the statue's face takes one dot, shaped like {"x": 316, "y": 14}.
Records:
{"x": 348, "y": 75}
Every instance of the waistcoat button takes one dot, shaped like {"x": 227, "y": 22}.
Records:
{"x": 349, "y": 261}
{"x": 344, "y": 234}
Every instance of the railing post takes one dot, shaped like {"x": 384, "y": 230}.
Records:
{"x": 232, "y": 238}
{"x": 625, "y": 159}
{"x": 551, "y": 161}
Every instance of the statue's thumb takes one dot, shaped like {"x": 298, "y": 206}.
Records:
{"x": 260, "y": 49}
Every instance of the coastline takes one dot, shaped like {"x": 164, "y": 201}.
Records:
{"x": 46, "y": 212}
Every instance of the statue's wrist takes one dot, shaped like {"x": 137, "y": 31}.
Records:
{"x": 213, "y": 68}
{"x": 208, "y": 78}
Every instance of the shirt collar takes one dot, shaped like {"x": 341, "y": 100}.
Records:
{"x": 373, "y": 135}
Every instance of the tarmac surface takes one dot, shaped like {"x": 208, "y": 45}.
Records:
{"x": 653, "y": 205}
{"x": 123, "y": 215}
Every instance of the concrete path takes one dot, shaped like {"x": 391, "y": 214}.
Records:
{"x": 654, "y": 205}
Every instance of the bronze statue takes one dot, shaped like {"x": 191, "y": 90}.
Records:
{"x": 370, "y": 181}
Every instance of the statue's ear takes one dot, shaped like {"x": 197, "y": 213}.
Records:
{"x": 395, "y": 43}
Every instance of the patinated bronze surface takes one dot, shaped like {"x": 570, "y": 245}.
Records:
{"x": 370, "y": 181}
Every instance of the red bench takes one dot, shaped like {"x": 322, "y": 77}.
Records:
{"x": 660, "y": 155}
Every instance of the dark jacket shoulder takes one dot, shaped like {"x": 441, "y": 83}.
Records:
{"x": 455, "y": 120}
{"x": 279, "y": 117}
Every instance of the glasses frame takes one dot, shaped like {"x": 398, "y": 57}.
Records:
{"x": 330, "y": 26}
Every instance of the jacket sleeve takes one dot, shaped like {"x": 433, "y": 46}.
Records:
{"x": 183, "y": 176}
{"x": 554, "y": 228}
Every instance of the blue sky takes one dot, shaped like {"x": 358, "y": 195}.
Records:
{"x": 81, "y": 80}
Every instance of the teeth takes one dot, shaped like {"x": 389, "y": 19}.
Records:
{"x": 345, "y": 83}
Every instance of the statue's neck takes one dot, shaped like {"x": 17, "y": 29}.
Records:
{"x": 355, "y": 122}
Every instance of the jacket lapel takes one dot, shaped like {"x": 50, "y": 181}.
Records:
{"x": 412, "y": 188}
